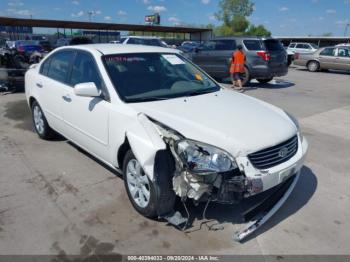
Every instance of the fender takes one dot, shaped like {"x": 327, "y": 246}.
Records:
{"x": 145, "y": 142}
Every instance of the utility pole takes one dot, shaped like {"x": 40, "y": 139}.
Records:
{"x": 346, "y": 29}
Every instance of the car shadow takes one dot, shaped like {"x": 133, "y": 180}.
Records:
{"x": 80, "y": 150}
{"x": 218, "y": 214}
{"x": 273, "y": 84}
{"x": 331, "y": 71}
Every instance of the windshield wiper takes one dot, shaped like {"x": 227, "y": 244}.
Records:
{"x": 145, "y": 99}
{"x": 200, "y": 92}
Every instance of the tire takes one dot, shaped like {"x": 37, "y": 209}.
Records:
{"x": 40, "y": 123}
{"x": 313, "y": 66}
{"x": 264, "y": 80}
{"x": 246, "y": 79}
{"x": 150, "y": 199}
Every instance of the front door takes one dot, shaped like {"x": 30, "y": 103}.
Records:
{"x": 343, "y": 59}
{"x": 87, "y": 118}
{"x": 327, "y": 58}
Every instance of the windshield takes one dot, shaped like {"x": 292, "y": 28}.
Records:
{"x": 273, "y": 45}
{"x": 314, "y": 46}
{"x": 156, "y": 76}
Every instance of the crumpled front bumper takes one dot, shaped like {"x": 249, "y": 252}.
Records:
{"x": 272, "y": 205}
{"x": 284, "y": 178}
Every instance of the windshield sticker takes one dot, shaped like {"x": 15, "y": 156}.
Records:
{"x": 125, "y": 59}
{"x": 173, "y": 59}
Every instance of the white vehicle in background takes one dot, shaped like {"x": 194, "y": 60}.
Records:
{"x": 343, "y": 45}
{"x": 302, "y": 48}
{"x": 144, "y": 40}
{"x": 171, "y": 130}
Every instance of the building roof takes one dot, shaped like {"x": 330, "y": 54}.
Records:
{"x": 108, "y": 49}
{"x": 9, "y": 21}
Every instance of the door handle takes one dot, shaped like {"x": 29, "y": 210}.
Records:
{"x": 39, "y": 85}
{"x": 67, "y": 98}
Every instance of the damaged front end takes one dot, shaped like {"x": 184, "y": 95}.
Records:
{"x": 205, "y": 173}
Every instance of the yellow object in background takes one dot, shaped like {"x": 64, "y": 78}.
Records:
{"x": 199, "y": 77}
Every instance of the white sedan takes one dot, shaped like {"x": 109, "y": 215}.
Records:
{"x": 172, "y": 131}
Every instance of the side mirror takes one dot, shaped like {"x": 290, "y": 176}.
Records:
{"x": 87, "y": 89}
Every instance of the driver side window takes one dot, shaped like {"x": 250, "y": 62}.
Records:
{"x": 84, "y": 70}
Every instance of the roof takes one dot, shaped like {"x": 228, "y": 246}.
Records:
{"x": 346, "y": 38}
{"x": 10, "y": 21}
{"x": 108, "y": 49}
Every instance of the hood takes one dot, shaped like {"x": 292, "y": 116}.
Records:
{"x": 226, "y": 119}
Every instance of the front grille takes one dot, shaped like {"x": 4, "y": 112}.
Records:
{"x": 275, "y": 155}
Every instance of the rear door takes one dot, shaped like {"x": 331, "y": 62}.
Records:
{"x": 343, "y": 59}
{"x": 214, "y": 56}
{"x": 327, "y": 58}
{"x": 222, "y": 55}
{"x": 201, "y": 57}
{"x": 278, "y": 55}
{"x": 302, "y": 48}
{"x": 51, "y": 83}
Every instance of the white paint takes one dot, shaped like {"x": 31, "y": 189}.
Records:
{"x": 226, "y": 119}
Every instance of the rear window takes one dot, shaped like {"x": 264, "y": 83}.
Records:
{"x": 273, "y": 45}
{"x": 253, "y": 45}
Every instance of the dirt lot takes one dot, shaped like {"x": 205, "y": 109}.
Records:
{"x": 55, "y": 199}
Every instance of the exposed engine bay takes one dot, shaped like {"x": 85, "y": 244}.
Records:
{"x": 227, "y": 187}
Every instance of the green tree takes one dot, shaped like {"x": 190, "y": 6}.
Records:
{"x": 228, "y": 9}
{"x": 233, "y": 14}
{"x": 259, "y": 30}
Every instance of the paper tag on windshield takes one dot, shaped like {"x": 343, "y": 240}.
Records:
{"x": 173, "y": 59}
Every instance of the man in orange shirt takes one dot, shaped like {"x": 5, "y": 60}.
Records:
{"x": 237, "y": 68}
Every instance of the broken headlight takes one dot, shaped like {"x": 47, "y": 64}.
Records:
{"x": 203, "y": 159}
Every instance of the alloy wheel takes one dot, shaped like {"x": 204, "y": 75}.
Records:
{"x": 138, "y": 183}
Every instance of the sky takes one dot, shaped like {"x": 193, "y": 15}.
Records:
{"x": 281, "y": 17}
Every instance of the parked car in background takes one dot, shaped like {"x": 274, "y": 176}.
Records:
{"x": 302, "y": 48}
{"x": 80, "y": 40}
{"x": 169, "y": 128}
{"x": 325, "y": 58}
{"x": 144, "y": 40}
{"x": 189, "y": 46}
{"x": 38, "y": 38}
{"x": 46, "y": 45}
{"x": 28, "y": 46}
{"x": 266, "y": 57}
{"x": 344, "y": 45}
{"x": 63, "y": 42}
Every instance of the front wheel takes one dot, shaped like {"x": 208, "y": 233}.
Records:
{"x": 264, "y": 80}
{"x": 150, "y": 198}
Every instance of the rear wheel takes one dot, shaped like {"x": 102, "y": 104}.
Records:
{"x": 264, "y": 80}
{"x": 40, "y": 123}
{"x": 313, "y": 66}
